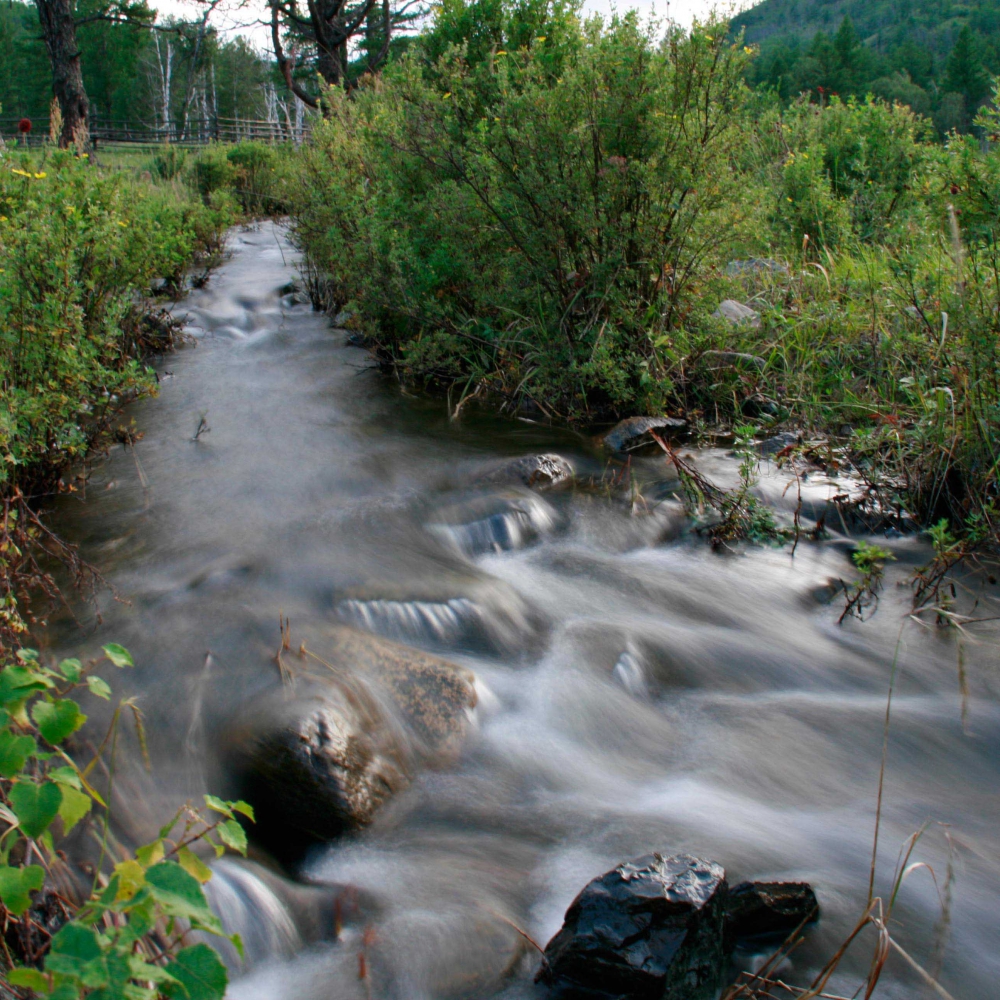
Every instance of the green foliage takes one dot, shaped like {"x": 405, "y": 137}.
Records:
{"x": 532, "y": 231}
{"x": 862, "y": 596}
{"x": 127, "y": 940}
{"x": 169, "y": 162}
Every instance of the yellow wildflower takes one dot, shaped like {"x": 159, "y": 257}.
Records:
{"x": 41, "y": 176}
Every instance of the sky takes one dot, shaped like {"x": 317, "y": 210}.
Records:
{"x": 682, "y": 11}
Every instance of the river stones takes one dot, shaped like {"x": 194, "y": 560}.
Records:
{"x": 318, "y": 757}
{"x": 502, "y": 522}
{"x": 768, "y": 908}
{"x": 652, "y": 927}
{"x": 537, "y": 472}
{"x": 635, "y": 431}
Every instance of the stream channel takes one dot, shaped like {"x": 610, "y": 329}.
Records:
{"x": 636, "y": 691}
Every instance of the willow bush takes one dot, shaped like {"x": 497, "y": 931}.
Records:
{"x": 539, "y": 218}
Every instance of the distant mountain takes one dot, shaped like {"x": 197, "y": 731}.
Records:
{"x": 936, "y": 56}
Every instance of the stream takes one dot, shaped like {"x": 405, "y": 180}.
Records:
{"x": 636, "y": 691}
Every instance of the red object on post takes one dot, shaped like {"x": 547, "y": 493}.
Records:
{"x": 24, "y": 126}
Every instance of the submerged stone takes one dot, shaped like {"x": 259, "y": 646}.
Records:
{"x": 769, "y": 908}
{"x": 650, "y": 928}
{"x": 535, "y": 471}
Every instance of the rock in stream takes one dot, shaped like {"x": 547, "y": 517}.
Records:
{"x": 661, "y": 927}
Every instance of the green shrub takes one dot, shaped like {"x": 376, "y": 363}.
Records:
{"x": 211, "y": 170}
{"x": 169, "y": 162}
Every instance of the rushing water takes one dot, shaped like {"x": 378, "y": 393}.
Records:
{"x": 637, "y": 692}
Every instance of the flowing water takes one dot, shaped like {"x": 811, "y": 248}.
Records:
{"x": 637, "y": 691}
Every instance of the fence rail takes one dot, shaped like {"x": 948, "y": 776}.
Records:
{"x": 197, "y": 132}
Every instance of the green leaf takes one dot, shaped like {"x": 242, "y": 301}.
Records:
{"x": 14, "y": 751}
{"x": 217, "y": 805}
{"x": 28, "y": 655}
{"x": 30, "y": 979}
{"x": 193, "y": 865}
{"x": 233, "y": 836}
{"x": 75, "y": 805}
{"x": 180, "y": 894}
{"x": 67, "y": 776}
{"x": 200, "y": 974}
{"x": 17, "y": 683}
{"x": 71, "y": 670}
{"x": 58, "y": 719}
{"x": 244, "y": 807}
{"x": 16, "y": 885}
{"x": 118, "y": 655}
{"x": 73, "y": 948}
{"x": 36, "y": 805}
{"x": 99, "y": 687}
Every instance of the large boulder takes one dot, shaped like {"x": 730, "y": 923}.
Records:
{"x": 318, "y": 758}
{"x": 650, "y": 928}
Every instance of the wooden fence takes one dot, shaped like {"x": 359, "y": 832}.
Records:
{"x": 197, "y": 132}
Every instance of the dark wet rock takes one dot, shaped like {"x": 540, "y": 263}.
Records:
{"x": 778, "y": 443}
{"x": 650, "y": 928}
{"x": 635, "y": 431}
{"x": 733, "y": 359}
{"x": 756, "y": 909}
{"x": 538, "y": 472}
{"x": 755, "y": 265}
{"x": 319, "y": 757}
{"x": 736, "y": 313}
{"x": 495, "y": 523}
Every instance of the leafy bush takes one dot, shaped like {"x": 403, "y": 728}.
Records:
{"x": 538, "y": 231}
{"x": 212, "y": 170}
{"x": 128, "y": 937}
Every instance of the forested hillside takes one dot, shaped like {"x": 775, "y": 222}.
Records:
{"x": 935, "y": 57}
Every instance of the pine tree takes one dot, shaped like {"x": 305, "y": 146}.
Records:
{"x": 964, "y": 72}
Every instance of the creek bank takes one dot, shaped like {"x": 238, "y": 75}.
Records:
{"x": 663, "y": 926}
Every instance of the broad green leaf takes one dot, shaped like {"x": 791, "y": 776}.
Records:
{"x": 58, "y": 719}
{"x": 98, "y": 687}
{"x": 244, "y": 807}
{"x": 16, "y": 885}
{"x": 30, "y": 979}
{"x": 141, "y": 969}
{"x": 14, "y": 751}
{"x": 73, "y": 947}
{"x": 233, "y": 835}
{"x": 118, "y": 655}
{"x": 217, "y": 805}
{"x": 150, "y": 854}
{"x": 180, "y": 894}
{"x": 28, "y": 655}
{"x": 16, "y": 683}
{"x": 193, "y": 865}
{"x": 67, "y": 776}
{"x": 132, "y": 878}
{"x": 75, "y": 805}
{"x": 199, "y": 973}
{"x": 35, "y": 805}
{"x": 71, "y": 670}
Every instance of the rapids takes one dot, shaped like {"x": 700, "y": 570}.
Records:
{"x": 637, "y": 691}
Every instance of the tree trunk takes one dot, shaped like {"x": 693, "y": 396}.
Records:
{"x": 59, "y": 31}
